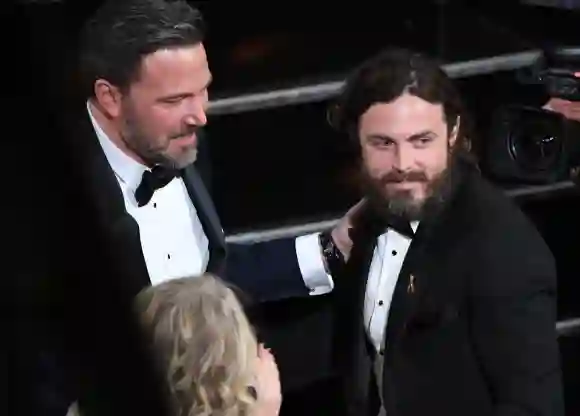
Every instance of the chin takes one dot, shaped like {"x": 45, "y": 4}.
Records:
{"x": 411, "y": 194}
{"x": 186, "y": 161}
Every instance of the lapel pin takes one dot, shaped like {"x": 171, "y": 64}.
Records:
{"x": 411, "y": 285}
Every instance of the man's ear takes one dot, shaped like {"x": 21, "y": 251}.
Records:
{"x": 454, "y": 132}
{"x": 108, "y": 97}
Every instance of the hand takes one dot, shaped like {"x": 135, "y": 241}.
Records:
{"x": 268, "y": 387}
{"x": 569, "y": 109}
{"x": 340, "y": 233}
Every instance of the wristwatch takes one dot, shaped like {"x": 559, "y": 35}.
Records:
{"x": 333, "y": 257}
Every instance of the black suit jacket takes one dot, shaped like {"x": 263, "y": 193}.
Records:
{"x": 476, "y": 333}
{"x": 265, "y": 271}
{"x": 91, "y": 347}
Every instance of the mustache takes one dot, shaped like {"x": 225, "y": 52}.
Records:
{"x": 397, "y": 176}
{"x": 187, "y": 131}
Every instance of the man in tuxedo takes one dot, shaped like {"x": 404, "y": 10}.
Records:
{"x": 132, "y": 208}
{"x": 146, "y": 76}
{"x": 447, "y": 304}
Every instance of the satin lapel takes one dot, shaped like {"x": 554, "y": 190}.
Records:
{"x": 351, "y": 354}
{"x": 404, "y": 294}
{"x": 430, "y": 247}
{"x": 104, "y": 194}
{"x": 350, "y": 289}
{"x": 208, "y": 217}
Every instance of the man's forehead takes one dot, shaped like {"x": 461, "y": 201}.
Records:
{"x": 174, "y": 64}
{"x": 404, "y": 107}
{"x": 403, "y": 118}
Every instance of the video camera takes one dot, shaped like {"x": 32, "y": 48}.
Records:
{"x": 535, "y": 145}
{"x": 558, "y": 71}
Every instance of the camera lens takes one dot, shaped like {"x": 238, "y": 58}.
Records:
{"x": 536, "y": 145}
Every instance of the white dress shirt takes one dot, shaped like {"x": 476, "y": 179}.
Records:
{"x": 388, "y": 257}
{"x": 384, "y": 270}
{"x": 386, "y": 263}
{"x": 172, "y": 239}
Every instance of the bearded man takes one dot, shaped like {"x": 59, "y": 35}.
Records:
{"x": 447, "y": 302}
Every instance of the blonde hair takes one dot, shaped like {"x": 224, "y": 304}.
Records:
{"x": 206, "y": 345}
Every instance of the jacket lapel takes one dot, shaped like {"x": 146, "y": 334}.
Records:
{"x": 352, "y": 357}
{"x": 430, "y": 286}
{"x": 409, "y": 282}
{"x": 208, "y": 217}
{"x": 416, "y": 289}
{"x": 103, "y": 193}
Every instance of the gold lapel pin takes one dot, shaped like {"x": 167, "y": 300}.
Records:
{"x": 411, "y": 285}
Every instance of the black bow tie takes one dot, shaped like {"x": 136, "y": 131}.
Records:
{"x": 151, "y": 181}
{"x": 400, "y": 225}
{"x": 371, "y": 226}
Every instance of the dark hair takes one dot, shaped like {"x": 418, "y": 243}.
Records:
{"x": 387, "y": 76}
{"x": 115, "y": 40}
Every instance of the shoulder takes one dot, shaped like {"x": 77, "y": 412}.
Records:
{"x": 508, "y": 247}
{"x": 498, "y": 216}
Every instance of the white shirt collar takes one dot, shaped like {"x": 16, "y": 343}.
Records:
{"x": 414, "y": 225}
{"x": 128, "y": 170}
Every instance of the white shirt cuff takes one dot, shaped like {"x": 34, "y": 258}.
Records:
{"x": 312, "y": 266}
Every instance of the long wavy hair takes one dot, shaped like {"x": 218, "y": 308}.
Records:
{"x": 205, "y": 344}
{"x": 389, "y": 74}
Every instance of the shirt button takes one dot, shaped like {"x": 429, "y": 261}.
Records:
{"x": 168, "y": 256}
{"x": 380, "y": 303}
{"x": 394, "y": 252}
{"x": 155, "y": 205}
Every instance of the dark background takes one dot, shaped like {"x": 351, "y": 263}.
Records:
{"x": 286, "y": 166}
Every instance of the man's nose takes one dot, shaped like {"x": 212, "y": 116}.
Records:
{"x": 403, "y": 160}
{"x": 196, "y": 115}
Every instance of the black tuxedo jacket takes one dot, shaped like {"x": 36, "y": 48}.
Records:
{"x": 265, "y": 271}
{"x": 91, "y": 347}
{"x": 475, "y": 334}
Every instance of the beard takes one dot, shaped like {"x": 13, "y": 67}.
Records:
{"x": 401, "y": 202}
{"x": 154, "y": 150}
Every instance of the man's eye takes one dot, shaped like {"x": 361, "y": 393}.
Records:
{"x": 381, "y": 142}
{"x": 422, "y": 141}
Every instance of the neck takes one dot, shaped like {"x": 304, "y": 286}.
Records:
{"x": 112, "y": 131}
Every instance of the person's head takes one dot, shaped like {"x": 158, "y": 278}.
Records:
{"x": 407, "y": 121}
{"x": 205, "y": 343}
{"x": 144, "y": 67}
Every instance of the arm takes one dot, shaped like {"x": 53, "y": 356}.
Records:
{"x": 279, "y": 269}
{"x": 290, "y": 267}
{"x": 513, "y": 328}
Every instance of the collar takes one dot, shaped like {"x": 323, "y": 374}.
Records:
{"x": 414, "y": 226}
{"x": 126, "y": 169}
{"x": 404, "y": 228}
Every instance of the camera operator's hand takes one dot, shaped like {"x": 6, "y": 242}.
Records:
{"x": 569, "y": 109}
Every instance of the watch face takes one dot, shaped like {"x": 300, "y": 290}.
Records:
{"x": 328, "y": 248}
{"x": 331, "y": 250}
{"x": 328, "y": 245}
